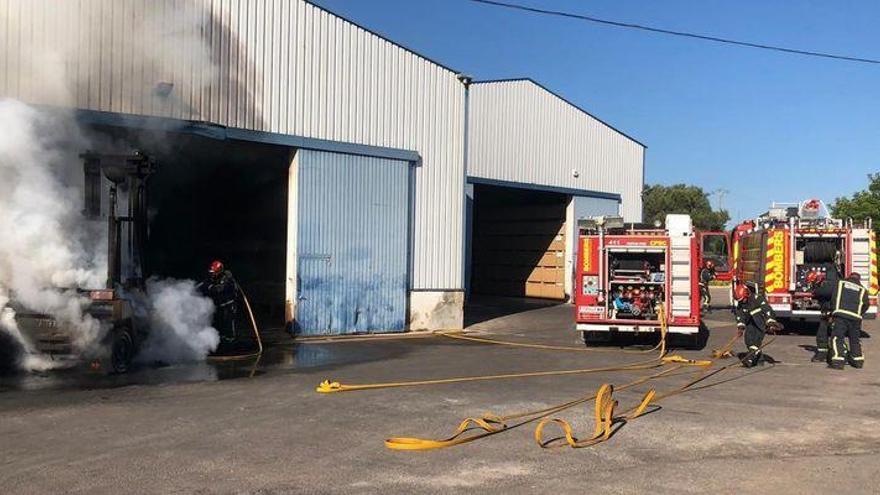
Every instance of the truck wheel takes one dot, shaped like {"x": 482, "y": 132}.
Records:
{"x": 122, "y": 351}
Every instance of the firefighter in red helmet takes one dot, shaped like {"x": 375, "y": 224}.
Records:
{"x": 754, "y": 318}
{"x": 220, "y": 286}
{"x": 707, "y": 275}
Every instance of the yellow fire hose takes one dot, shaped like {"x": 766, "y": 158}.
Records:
{"x": 661, "y": 346}
{"x": 328, "y": 386}
{"x": 604, "y": 416}
{"x": 492, "y": 424}
{"x": 247, "y": 305}
{"x": 726, "y": 351}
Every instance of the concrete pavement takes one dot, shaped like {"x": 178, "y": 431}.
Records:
{"x": 796, "y": 426}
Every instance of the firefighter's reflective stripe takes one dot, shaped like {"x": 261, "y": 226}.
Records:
{"x": 875, "y": 284}
{"x": 849, "y": 286}
{"x": 835, "y": 355}
{"x": 756, "y": 311}
{"x": 859, "y": 358}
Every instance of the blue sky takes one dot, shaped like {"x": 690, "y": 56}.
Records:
{"x": 765, "y": 126}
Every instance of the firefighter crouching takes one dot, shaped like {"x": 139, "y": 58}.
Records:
{"x": 754, "y": 318}
{"x": 221, "y": 288}
{"x": 707, "y": 275}
{"x": 849, "y": 302}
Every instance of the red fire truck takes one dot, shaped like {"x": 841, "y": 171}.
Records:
{"x": 624, "y": 275}
{"x": 781, "y": 247}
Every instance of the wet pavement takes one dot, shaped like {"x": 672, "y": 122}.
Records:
{"x": 276, "y": 358}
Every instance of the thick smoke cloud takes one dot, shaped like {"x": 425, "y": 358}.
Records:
{"x": 180, "y": 323}
{"x": 47, "y": 247}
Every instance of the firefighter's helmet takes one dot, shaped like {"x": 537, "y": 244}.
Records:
{"x": 740, "y": 292}
{"x": 216, "y": 267}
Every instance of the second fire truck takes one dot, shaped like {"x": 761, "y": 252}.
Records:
{"x": 778, "y": 250}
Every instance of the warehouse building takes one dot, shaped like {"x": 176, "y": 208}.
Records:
{"x": 333, "y": 170}
{"x": 536, "y": 163}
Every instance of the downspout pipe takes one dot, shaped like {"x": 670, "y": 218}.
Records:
{"x": 466, "y": 81}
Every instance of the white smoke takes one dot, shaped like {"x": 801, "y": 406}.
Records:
{"x": 180, "y": 323}
{"x": 23, "y": 355}
{"x": 48, "y": 249}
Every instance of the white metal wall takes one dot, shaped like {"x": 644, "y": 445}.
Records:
{"x": 281, "y": 66}
{"x": 520, "y": 132}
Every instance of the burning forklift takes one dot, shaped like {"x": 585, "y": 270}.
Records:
{"x": 111, "y": 306}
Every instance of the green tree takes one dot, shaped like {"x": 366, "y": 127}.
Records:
{"x": 658, "y": 201}
{"x": 862, "y": 205}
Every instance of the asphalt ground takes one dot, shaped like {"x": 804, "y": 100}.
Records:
{"x": 259, "y": 427}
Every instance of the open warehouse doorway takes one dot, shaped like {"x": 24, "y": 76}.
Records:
{"x": 517, "y": 243}
{"x": 522, "y": 245}
{"x": 213, "y": 199}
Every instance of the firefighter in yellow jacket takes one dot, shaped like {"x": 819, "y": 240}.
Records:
{"x": 849, "y": 302}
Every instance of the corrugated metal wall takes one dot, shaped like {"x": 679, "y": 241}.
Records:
{"x": 352, "y": 241}
{"x": 591, "y": 207}
{"x": 520, "y": 132}
{"x": 281, "y": 66}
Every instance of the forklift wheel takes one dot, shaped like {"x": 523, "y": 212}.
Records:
{"x": 123, "y": 351}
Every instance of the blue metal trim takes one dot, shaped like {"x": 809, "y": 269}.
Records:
{"x": 565, "y": 100}
{"x": 219, "y": 132}
{"x": 325, "y": 145}
{"x": 538, "y": 187}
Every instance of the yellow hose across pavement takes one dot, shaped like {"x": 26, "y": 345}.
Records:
{"x": 604, "y": 416}
{"x": 604, "y": 412}
{"x": 328, "y": 386}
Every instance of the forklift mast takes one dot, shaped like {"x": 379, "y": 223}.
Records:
{"x": 127, "y": 225}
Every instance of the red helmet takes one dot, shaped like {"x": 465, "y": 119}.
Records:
{"x": 740, "y": 292}
{"x": 710, "y": 264}
{"x": 216, "y": 267}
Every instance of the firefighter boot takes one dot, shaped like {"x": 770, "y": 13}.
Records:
{"x": 753, "y": 357}
{"x": 837, "y": 356}
{"x": 820, "y": 356}
{"x": 856, "y": 362}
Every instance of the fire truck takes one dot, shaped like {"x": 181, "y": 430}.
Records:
{"x": 624, "y": 275}
{"x": 778, "y": 250}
